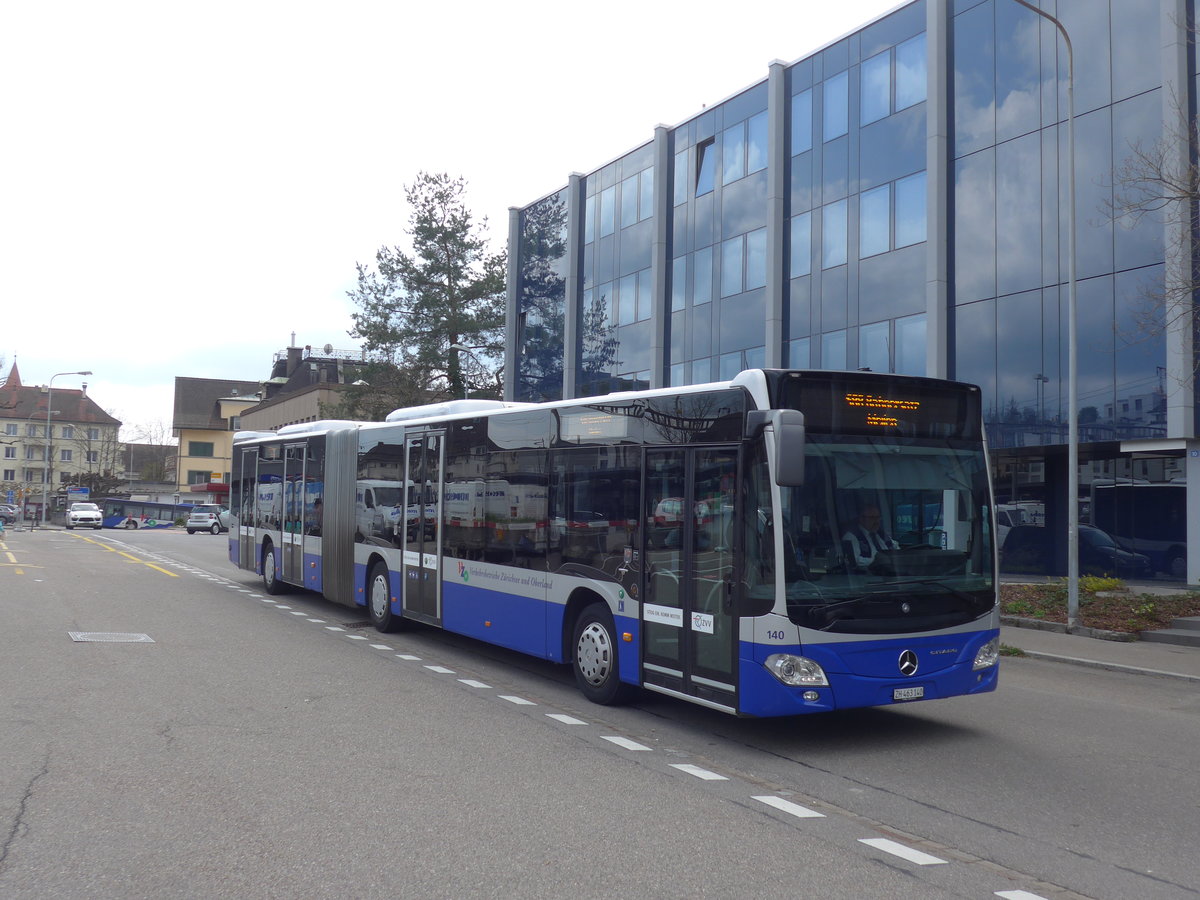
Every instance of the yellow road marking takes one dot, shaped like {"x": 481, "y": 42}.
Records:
{"x": 128, "y": 556}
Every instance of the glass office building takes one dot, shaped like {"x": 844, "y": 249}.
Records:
{"x": 898, "y": 201}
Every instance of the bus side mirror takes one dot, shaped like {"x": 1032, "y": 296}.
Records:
{"x": 785, "y": 429}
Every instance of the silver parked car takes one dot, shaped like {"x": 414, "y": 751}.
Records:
{"x": 208, "y": 517}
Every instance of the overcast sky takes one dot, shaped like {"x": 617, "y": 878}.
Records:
{"x": 184, "y": 186}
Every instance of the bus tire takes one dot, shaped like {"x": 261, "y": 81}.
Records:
{"x": 594, "y": 657}
{"x": 270, "y": 573}
{"x": 379, "y": 600}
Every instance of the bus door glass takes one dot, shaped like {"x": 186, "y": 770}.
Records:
{"x": 690, "y": 632}
{"x": 423, "y": 512}
{"x": 293, "y": 513}
{"x": 245, "y": 512}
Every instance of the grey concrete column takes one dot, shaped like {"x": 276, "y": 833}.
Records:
{"x": 938, "y": 173}
{"x": 573, "y": 289}
{"x": 1177, "y": 236}
{"x": 512, "y": 338}
{"x": 660, "y": 256}
{"x": 777, "y": 207}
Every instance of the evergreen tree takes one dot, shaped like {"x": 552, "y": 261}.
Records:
{"x": 414, "y": 308}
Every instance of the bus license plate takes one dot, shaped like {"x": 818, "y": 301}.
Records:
{"x": 908, "y": 693}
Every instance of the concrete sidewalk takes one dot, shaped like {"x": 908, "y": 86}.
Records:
{"x": 1140, "y": 657}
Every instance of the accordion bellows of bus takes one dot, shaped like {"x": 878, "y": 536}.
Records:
{"x": 786, "y": 542}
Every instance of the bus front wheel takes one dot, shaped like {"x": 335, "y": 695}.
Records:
{"x": 597, "y": 671}
{"x": 379, "y": 600}
{"x": 270, "y": 574}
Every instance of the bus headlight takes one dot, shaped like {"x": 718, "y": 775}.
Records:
{"x": 796, "y": 671}
{"x": 988, "y": 655}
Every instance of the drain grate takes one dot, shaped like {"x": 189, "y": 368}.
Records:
{"x": 366, "y": 624}
{"x": 110, "y": 637}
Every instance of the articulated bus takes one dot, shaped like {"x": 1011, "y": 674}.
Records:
{"x": 697, "y": 541}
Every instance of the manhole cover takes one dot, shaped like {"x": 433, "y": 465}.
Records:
{"x": 110, "y": 637}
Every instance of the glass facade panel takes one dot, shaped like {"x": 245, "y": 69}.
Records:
{"x": 975, "y": 227}
{"x": 608, "y": 211}
{"x": 645, "y": 295}
{"x": 798, "y": 353}
{"x": 833, "y": 350}
{"x": 911, "y": 74}
{"x": 835, "y": 105}
{"x": 542, "y": 299}
{"x": 627, "y": 300}
{"x": 910, "y": 210}
{"x": 645, "y": 194}
{"x": 1018, "y": 74}
{"x": 702, "y": 276}
{"x": 678, "y": 283}
{"x": 833, "y": 235}
{"x": 974, "y": 80}
{"x": 629, "y": 201}
{"x": 731, "y": 267}
{"x": 756, "y": 259}
{"x": 801, "y": 245}
{"x": 706, "y": 167}
{"x": 875, "y": 87}
{"x": 802, "y": 113}
{"x": 874, "y": 347}
{"x": 910, "y": 345}
{"x": 679, "y": 185}
{"x": 1133, "y": 69}
{"x": 1018, "y": 215}
{"x": 756, "y": 143}
{"x": 874, "y": 221}
{"x": 733, "y": 153}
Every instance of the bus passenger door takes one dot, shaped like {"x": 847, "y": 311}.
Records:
{"x": 423, "y": 468}
{"x": 293, "y": 513}
{"x": 247, "y": 516}
{"x": 689, "y": 631}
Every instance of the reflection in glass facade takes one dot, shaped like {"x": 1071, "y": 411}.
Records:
{"x": 910, "y": 218}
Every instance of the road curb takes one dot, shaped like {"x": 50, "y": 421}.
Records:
{"x": 1109, "y": 666}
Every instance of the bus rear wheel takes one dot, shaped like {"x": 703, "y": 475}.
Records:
{"x": 597, "y": 671}
{"x": 379, "y": 600}
{"x": 270, "y": 574}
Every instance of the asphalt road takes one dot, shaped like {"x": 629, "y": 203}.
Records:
{"x": 275, "y": 747}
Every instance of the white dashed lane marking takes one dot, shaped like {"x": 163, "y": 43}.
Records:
{"x": 624, "y": 742}
{"x": 903, "y": 851}
{"x": 519, "y": 701}
{"x": 471, "y": 682}
{"x": 702, "y": 774}
{"x": 565, "y": 719}
{"x": 787, "y": 806}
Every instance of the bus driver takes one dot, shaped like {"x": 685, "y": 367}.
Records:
{"x": 867, "y": 538}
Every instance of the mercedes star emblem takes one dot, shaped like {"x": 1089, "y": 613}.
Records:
{"x": 908, "y": 663}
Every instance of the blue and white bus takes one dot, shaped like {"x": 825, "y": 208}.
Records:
{"x": 696, "y": 541}
{"x": 119, "y": 512}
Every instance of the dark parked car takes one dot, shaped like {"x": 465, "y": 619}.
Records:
{"x": 1028, "y": 549}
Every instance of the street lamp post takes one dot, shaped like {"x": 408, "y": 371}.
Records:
{"x": 46, "y": 463}
{"x": 1072, "y": 354}
{"x": 458, "y": 384}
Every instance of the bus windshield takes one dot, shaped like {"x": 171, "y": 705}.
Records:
{"x": 887, "y": 535}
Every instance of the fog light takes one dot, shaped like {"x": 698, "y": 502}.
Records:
{"x": 796, "y": 671}
{"x": 811, "y": 696}
{"x": 988, "y": 655}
